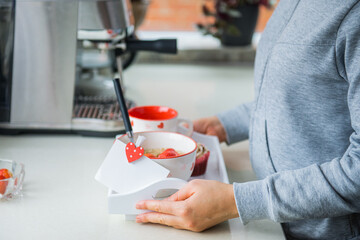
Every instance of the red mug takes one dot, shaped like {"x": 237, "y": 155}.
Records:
{"x": 158, "y": 118}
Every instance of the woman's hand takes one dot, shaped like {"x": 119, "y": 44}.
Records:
{"x": 200, "y": 204}
{"x": 210, "y": 126}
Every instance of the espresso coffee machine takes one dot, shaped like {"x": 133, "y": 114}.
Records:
{"x": 57, "y": 59}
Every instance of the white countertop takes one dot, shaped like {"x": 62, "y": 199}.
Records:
{"x": 63, "y": 201}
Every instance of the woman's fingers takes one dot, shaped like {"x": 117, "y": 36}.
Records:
{"x": 200, "y": 125}
{"x": 160, "y": 218}
{"x": 165, "y": 213}
{"x": 210, "y": 126}
{"x": 183, "y": 194}
{"x": 169, "y": 207}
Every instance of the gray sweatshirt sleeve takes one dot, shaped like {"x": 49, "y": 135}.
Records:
{"x": 321, "y": 190}
{"x": 236, "y": 122}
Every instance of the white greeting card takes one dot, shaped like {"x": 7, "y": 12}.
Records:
{"x": 118, "y": 174}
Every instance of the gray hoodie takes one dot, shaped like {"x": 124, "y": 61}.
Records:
{"x": 304, "y": 125}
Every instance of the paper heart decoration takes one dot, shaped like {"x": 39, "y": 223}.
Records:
{"x": 161, "y": 125}
{"x": 133, "y": 153}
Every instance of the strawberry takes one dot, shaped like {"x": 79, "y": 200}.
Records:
{"x": 4, "y": 174}
{"x": 168, "y": 153}
{"x": 149, "y": 155}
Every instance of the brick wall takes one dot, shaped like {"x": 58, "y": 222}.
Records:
{"x": 181, "y": 15}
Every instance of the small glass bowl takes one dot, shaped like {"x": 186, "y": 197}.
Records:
{"x": 10, "y": 188}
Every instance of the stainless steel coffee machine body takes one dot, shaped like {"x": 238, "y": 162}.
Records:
{"x": 41, "y": 47}
{"x": 44, "y": 64}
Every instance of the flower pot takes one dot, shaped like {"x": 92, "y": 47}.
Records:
{"x": 239, "y": 30}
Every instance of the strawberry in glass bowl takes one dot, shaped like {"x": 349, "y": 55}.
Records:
{"x": 11, "y": 179}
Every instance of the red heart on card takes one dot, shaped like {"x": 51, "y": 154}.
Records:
{"x": 133, "y": 153}
{"x": 161, "y": 125}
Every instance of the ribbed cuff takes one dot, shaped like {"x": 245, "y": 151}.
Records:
{"x": 252, "y": 200}
{"x": 236, "y": 123}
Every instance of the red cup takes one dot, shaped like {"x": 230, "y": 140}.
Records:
{"x": 157, "y": 118}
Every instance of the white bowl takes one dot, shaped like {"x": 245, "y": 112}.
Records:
{"x": 180, "y": 166}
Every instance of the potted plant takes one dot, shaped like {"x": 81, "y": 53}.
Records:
{"x": 234, "y": 20}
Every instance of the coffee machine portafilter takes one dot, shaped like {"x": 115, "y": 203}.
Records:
{"x": 47, "y": 66}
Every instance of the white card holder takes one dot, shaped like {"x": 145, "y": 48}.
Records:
{"x": 216, "y": 170}
{"x": 125, "y": 203}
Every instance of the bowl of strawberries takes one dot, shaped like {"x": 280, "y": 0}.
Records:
{"x": 11, "y": 179}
